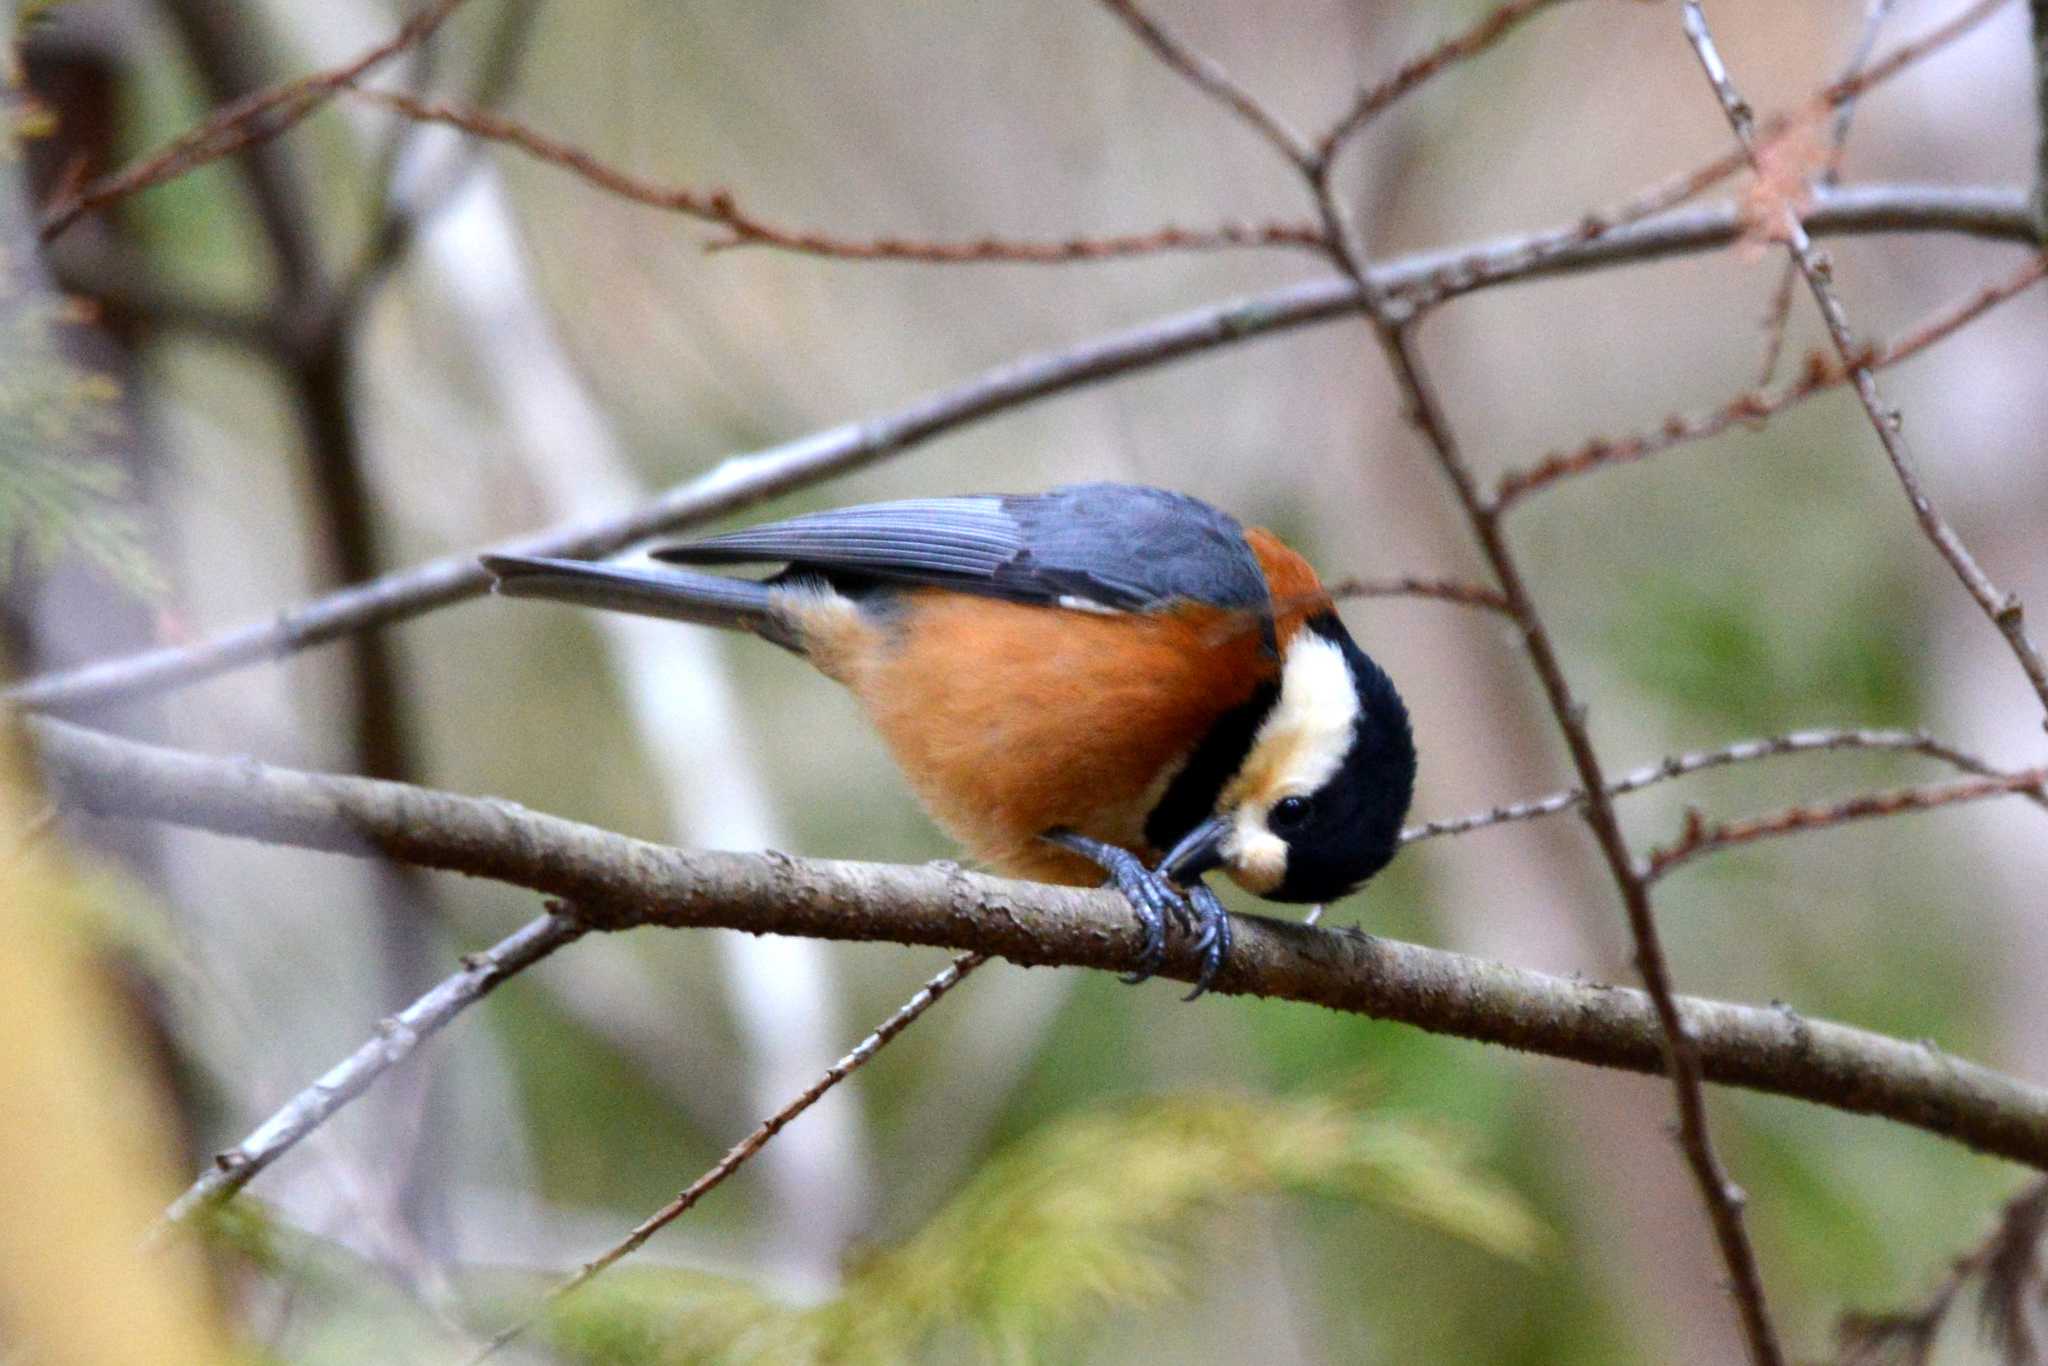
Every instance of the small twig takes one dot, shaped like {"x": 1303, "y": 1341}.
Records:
{"x": 399, "y": 223}
{"x": 1819, "y": 374}
{"x": 2008, "y": 1257}
{"x": 2004, "y": 609}
{"x": 2039, "y": 10}
{"x": 1537, "y": 251}
{"x": 1906, "y": 54}
{"x": 239, "y": 125}
{"x": 721, "y": 209}
{"x": 1410, "y": 586}
{"x": 1743, "y": 751}
{"x": 740, "y": 1152}
{"x": 1479, "y": 268}
{"x": 1208, "y": 75}
{"x": 1780, "y": 310}
{"x": 396, "y": 1040}
{"x": 1371, "y": 100}
{"x": 1699, "y": 837}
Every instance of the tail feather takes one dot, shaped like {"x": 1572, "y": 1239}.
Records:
{"x": 674, "y": 594}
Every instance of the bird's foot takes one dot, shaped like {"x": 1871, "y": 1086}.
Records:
{"x": 1212, "y": 935}
{"x": 1154, "y": 898}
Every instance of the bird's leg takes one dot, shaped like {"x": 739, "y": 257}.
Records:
{"x": 1150, "y": 895}
{"x": 1212, "y": 936}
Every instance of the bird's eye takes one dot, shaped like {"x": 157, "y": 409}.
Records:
{"x": 1289, "y": 814}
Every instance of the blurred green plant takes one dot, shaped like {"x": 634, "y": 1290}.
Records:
{"x": 58, "y": 494}
{"x": 1090, "y": 1214}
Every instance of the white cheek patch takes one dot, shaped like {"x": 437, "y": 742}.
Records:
{"x": 1304, "y": 739}
{"x": 1253, "y": 856}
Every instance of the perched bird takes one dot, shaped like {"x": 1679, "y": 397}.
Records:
{"x": 1103, "y": 678}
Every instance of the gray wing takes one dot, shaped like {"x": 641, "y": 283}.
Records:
{"x": 1121, "y": 546}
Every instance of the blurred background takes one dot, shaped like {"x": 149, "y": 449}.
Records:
{"x": 1020, "y": 1176}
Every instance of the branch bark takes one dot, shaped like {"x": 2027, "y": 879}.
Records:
{"x": 616, "y": 883}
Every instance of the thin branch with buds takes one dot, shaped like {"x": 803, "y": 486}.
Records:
{"x": 1819, "y": 374}
{"x": 735, "y": 1158}
{"x": 721, "y": 209}
{"x": 2009, "y": 1260}
{"x": 1703, "y": 837}
{"x": 2004, "y": 609}
{"x": 1741, "y": 752}
{"x": 240, "y": 125}
{"x": 1373, "y": 100}
{"x": 1208, "y": 75}
{"x": 613, "y": 882}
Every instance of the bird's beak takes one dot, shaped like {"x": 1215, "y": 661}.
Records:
{"x": 1198, "y": 851}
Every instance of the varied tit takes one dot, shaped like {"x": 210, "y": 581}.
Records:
{"x": 1103, "y": 678}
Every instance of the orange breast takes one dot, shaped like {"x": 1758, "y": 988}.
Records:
{"x": 1010, "y": 720}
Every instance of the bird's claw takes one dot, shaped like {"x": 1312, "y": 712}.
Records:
{"x": 1212, "y": 939}
{"x": 1153, "y": 898}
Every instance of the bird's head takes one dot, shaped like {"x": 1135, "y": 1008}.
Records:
{"x": 1324, "y": 771}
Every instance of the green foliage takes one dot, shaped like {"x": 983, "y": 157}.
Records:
{"x": 1086, "y": 1216}
{"x": 31, "y": 12}
{"x": 1715, "y": 652}
{"x": 58, "y": 493}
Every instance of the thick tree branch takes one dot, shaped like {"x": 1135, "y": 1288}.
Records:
{"x": 614, "y": 882}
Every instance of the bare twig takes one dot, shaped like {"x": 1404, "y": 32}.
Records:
{"x": 1700, "y": 837}
{"x": 239, "y": 125}
{"x": 2039, "y": 10}
{"x": 1410, "y": 586}
{"x": 1371, "y": 100}
{"x": 2004, "y": 609}
{"x": 1819, "y": 374}
{"x": 614, "y": 882}
{"x": 745, "y": 480}
{"x": 1743, "y": 751}
{"x": 740, "y": 1152}
{"x": 1906, "y": 54}
{"x": 1208, "y": 75}
{"x": 2009, "y": 1259}
{"x": 397, "y": 1038}
{"x": 1539, "y": 250}
{"x": 720, "y": 208}
{"x": 1780, "y": 310}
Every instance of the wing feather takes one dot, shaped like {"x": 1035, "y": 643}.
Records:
{"x": 1121, "y": 546}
